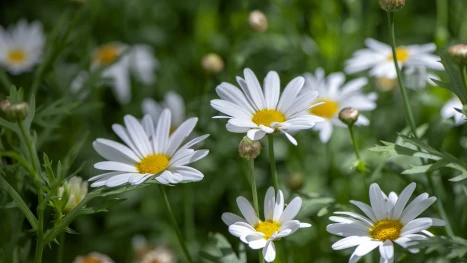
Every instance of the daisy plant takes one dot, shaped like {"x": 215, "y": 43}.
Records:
{"x": 172, "y": 101}
{"x": 278, "y": 223}
{"x": 388, "y": 220}
{"x": 337, "y": 95}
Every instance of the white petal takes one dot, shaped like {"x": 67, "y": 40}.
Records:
{"x": 269, "y": 252}
{"x": 271, "y": 88}
{"x": 402, "y": 200}
{"x": 363, "y": 249}
{"x": 416, "y": 226}
{"x": 348, "y": 242}
{"x": 365, "y": 209}
{"x": 247, "y": 211}
{"x": 255, "y": 241}
{"x": 291, "y": 210}
{"x": 255, "y": 134}
{"x": 230, "y": 219}
{"x": 115, "y": 166}
{"x": 387, "y": 250}
{"x": 269, "y": 202}
{"x": 278, "y": 206}
{"x": 412, "y": 212}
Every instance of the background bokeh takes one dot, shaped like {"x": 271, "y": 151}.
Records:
{"x": 302, "y": 36}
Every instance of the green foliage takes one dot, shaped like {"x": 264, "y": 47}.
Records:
{"x": 220, "y": 251}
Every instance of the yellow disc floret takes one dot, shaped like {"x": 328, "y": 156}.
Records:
{"x": 327, "y": 110}
{"x": 106, "y": 54}
{"x": 153, "y": 164}
{"x": 402, "y": 54}
{"x": 266, "y": 117}
{"x": 16, "y": 56}
{"x": 268, "y": 228}
{"x": 386, "y": 229}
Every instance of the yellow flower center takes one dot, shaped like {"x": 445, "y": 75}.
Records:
{"x": 91, "y": 259}
{"x": 106, "y": 54}
{"x": 326, "y": 110}
{"x": 386, "y": 229}
{"x": 402, "y": 54}
{"x": 266, "y": 117}
{"x": 153, "y": 164}
{"x": 268, "y": 228}
{"x": 16, "y": 56}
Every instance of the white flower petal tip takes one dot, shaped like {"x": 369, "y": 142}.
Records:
{"x": 390, "y": 219}
{"x": 258, "y": 111}
{"x": 279, "y": 222}
{"x": 149, "y": 151}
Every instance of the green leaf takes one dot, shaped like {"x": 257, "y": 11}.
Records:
{"x": 454, "y": 74}
{"x": 102, "y": 207}
{"x": 222, "y": 252}
{"x": 15, "y": 95}
{"x": 60, "y": 107}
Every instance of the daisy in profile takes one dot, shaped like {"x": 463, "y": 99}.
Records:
{"x": 449, "y": 110}
{"x": 93, "y": 257}
{"x": 118, "y": 61}
{"x": 377, "y": 58}
{"x": 336, "y": 95}
{"x": 21, "y": 46}
{"x": 258, "y": 112}
{"x": 278, "y": 223}
{"x": 150, "y": 151}
{"x": 387, "y": 221}
{"x": 172, "y": 101}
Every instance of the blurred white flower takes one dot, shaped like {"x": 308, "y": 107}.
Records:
{"x": 118, "y": 60}
{"x": 279, "y": 223}
{"x": 93, "y": 257}
{"x": 77, "y": 191}
{"x": 150, "y": 151}
{"x": 172, "y": 101}
{"x": 258, "y": 112}
{"x": 336, "y": 96}
{"x": 449, "y": 110}
{"x": 388, "y": 220}
{"x": 378, "y": 59}
{"x": 146, "y": 253}
{"x": 21, "y": 46}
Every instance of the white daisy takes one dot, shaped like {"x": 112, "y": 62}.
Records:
{"x": 336, "y": 95}
{"x": 388, "y": 220}
{"x": 150, "y": 151}
{"x": 264, "y": 111}
{"x": 378, "y": 59}
{"x": 449, "y": 110}
{"x": 94, "y": 257}
{"x": 22, "y": 46}
{"x": 278, "y": 222}
{"x": 172, "y": 101}
{"x": 120, "y": 60}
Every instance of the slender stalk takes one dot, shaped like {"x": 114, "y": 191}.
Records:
{"x": 61, "y": 241}
{"x": 28, "y": 143}
{"x": 405, "y": 97}
{"x": 19, "y": 202}
{"x": 254, "y": 192}
{"x": 272, "y": 162}
{"x": 354, "y": 142}
{"x": 189, "y": 213}
{"x": 39, "y": 230}
{"x": 174, "y": 223}
{"x": 463, "y": 75}
{"x": 434, "y": 186}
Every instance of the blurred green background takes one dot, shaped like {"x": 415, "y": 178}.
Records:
{"x": 302, "y": 36}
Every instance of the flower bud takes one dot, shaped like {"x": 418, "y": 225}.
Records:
{"x": 4, "y": 104}
{"x": 295, "y": 181}
{"x": 459, "y": 54}
{"x": 258, "y": 21}
{"x": 16, "y": 112}
{"x": 76, "y": 190}
{"x": 212, "y": 63}
{"x": 392, "y": 5}
{"x": 349, "y": 116}
{"x": 248, "y": 148}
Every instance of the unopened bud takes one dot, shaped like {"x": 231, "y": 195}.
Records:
{"x": 212, "y": 63}
{"x": 258, "y": 21}
{"x": 349, "y": 116}
{"x": 459, "y": 54}
{"x": 392, "y": 5}
{"x": 16, "y": 111}
{"x": 295, "y": 181}
{"x": 4, "y": 104}
{"x": 76, "y": 190}
{"x": 248, "y": 148}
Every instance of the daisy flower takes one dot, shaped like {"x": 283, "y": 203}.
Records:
{"x": 258, "y": 112}
{"x": 150, "y": 151}
{"x": 94, "y": 257}
{"x": 449, "y": 110}
{"x": 21, "y": 46}
{"x": 118, "y": 61}
{"x": 336, "y": 96}
{"x": 377, "y": 58}
{"x": 172, "y": 101}
{"x": 388, "y": 220}
{"x": 278, "y": 222}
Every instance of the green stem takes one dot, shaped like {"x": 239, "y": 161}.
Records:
{"x": 61, "y": 242}
{"x": 408, "y": 110}
{"x": 354, "y": 142}
{"x": 19, "y": 202}
{"x": 39, "y": 229}
{"x": 5, "y": 81}
{"x": 20, "y": 160}
{"x": 463, "y": 75}
{"x": 254, "y": 192}
{"x": 272, "y": 162}
{"x": 189, "y": 213}
{"x": 435, "y": 187}
{"x": 32, "y": 154}
{"x": 174, "y": 223}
